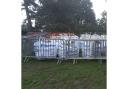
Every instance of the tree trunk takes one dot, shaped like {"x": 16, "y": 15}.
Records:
{"x": 28, "y": 16}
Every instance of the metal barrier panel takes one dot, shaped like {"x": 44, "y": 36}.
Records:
{"x": 93, "y": 49}
{"x": 27, "y": 47}
{"x": 60, "y": 48}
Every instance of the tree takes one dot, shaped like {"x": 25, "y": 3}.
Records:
{"x": 65, "y": 16}
{"x": 30, "y": 7}
{"x": 75, "y": 16}
{"x": 102, "y": 23}
{"x": 24, "y": 28}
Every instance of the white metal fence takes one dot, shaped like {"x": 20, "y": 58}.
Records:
{"x": 64, "y": 49}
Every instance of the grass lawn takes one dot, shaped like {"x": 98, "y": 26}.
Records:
{"x": 47, "y": 74}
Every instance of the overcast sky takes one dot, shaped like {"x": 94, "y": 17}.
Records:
{"x": 98, "y": 5}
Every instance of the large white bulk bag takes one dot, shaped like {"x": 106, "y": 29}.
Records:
{"x": 87, "y": 48}
{"x": 44, "y": 49}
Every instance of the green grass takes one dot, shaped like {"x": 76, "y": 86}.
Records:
{"x": 49, "y": 75}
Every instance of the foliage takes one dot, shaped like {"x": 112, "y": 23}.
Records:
{"x": 102, "y": 23}
{"x": 65, "y": 15}
{"x": 24, "y": 28}
{"x": 75, "y": 16}
{"x": 30, "y": 7}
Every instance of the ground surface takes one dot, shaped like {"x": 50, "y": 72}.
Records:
{"x": 49, "y": 75}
